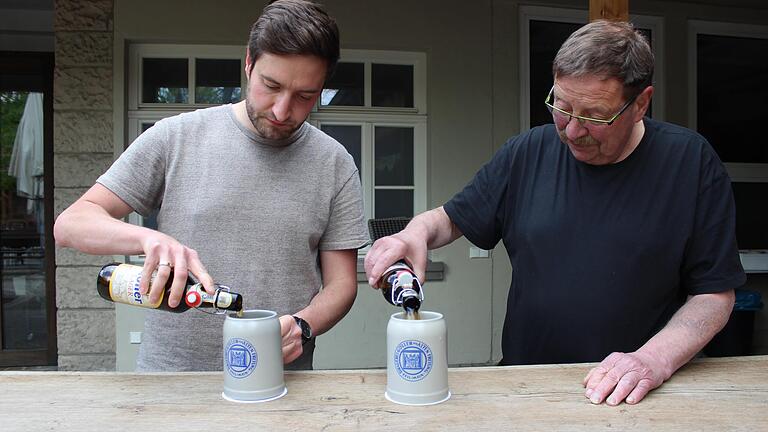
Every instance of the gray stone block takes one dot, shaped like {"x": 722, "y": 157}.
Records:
{"x": 83, "y": 48}
{"x": 72, "y": 257}
{"x": 87, "y": 362}
{"x": 85, "y": 331}
{"x": 83, "y": 15}
{"x": 79, "y": 169}
{"x": 76, "y": 289}
{"x": 82, "y": 132}
{"x": 64, "y": 197}
{"x": 88, "y": 88}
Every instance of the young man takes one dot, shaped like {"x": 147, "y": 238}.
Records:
{"x": 249, "y": 195}
{"x": 610, "y": 220}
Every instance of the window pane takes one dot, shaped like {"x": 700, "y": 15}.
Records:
{"x": 345, "y": 86}
{"x": 393, "y": 203}
{"x": 24, "y": 324}
{"x": 392, "y": 85}
{"x": 217, "y": 81}
{"x": 751, "y": 215}
{"x": 545, "y": 38}
{"x": 730, "y": 92}
{"x": 349, "y": 137}
{"x": 165, "y": 80}
{"x": 145, "y": 126}
{"x": 393, "y": 156}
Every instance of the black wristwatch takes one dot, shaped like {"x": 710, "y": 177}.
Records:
{"x": 306, "y": 330}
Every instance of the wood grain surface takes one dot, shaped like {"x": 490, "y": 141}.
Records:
{"x": 729, "y": 394}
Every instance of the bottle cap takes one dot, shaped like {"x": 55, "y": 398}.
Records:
{"x": 193, "y": 299}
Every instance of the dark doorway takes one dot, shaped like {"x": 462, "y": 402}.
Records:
{"x": 28, "y": 302}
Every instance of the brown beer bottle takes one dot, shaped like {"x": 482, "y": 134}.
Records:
{"x": 401, "y": 287}
{"x": 120, "y": 283}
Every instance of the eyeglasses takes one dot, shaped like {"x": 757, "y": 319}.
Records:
{"x": 563, "y": 117}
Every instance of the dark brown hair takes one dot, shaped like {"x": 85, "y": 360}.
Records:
{"x": 295, "y": 27}
{"x": 607, "y": 49}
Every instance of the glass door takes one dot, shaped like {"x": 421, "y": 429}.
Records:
{"x": 27, "y": 303}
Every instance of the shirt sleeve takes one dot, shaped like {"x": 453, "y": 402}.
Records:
{"x": 712, "y": 261}
{"x": 138, "y": 175}
{"x": 478, "y": 210}
{"x": 346, "y": 224}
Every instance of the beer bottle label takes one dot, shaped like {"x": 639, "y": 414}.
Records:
{"x": 124, "y": 287}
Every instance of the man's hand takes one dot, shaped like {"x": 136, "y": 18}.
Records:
{"x": 388, "y": 250}
{"x": 624, "y": 376}
{"x": 164, "y": 253}
{"x": 290, "y": 332}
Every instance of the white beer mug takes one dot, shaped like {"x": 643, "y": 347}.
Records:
{"x": 417, "y": 359}
{"x": 253, "y": 357}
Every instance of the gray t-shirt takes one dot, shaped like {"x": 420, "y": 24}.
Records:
{"x": 257, "y": 212}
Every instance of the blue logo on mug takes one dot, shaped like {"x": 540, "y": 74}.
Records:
{"x": 413, "y": 360}
{"x": 240, "y": 357}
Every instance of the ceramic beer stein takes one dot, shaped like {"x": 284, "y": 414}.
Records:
{"x": 253, "y": 357}
{"x": 417, "y": 359}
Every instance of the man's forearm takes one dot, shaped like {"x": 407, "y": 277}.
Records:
{"x": 88, "y": 228}
{"x": 689, "y": 330}
{"x": 436, "y": 227}
{"x": 339, "y": 290}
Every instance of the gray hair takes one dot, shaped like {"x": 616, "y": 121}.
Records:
{"x": 607, "y": 49}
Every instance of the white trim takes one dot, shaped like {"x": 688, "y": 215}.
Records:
{"x": 739, "y": 172}
{"x": 580, "y": 16}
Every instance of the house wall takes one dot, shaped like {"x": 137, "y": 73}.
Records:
{"x": 473, "y": 98}
{"x": 83, "y": 148}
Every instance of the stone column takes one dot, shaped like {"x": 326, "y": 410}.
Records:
{"x": 83, "y": 149}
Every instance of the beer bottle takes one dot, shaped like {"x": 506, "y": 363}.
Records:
{"x": 120, "y": 283}
{"x": 401, "y": 287}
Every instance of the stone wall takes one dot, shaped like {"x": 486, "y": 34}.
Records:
{"x": 83, "y": 149}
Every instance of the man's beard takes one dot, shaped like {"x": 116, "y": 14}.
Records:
{"x": 264, "y": 128}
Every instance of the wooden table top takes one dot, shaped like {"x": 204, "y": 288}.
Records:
{"x": 728, "y": 394}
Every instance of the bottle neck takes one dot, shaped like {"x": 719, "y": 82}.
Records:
{"x": 223, "y": 298}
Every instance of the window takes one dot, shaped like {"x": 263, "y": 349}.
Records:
{"x": 375, "y": 105}
{"x": 543, "y": 30}
{"x": 166, "y": 80}
{"x": 728, "y": 65}
{"x": 27, "y": 289}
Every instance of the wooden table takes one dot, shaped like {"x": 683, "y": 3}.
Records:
{"x": 727, "y": 394}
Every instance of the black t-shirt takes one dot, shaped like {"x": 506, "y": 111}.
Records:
{"x": 602, "y": 256}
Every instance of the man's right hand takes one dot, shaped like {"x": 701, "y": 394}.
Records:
{"x": 406, "y": 244}
{"x": 93, "y": 224}
{"x": 164, "y": 253}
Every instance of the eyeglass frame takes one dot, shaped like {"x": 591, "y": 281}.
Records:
{"x": 582, "y": 119}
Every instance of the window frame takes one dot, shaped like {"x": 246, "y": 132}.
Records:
{"x": 368, "y": 117}
{"x": 368, "y": 57}
{"x": 138, "y": 52}
{"x": 581, "y": 16}
{"x": 738, "y": 171}
{"x": 368, "y": 122}
{"x": 36, "y": 71}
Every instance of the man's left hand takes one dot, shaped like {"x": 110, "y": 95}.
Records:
{"x": 291, "y": 336}
{"x": 624, "y": 376}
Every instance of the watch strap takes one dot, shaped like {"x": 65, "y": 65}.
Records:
{"x": 306, "y": 330}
